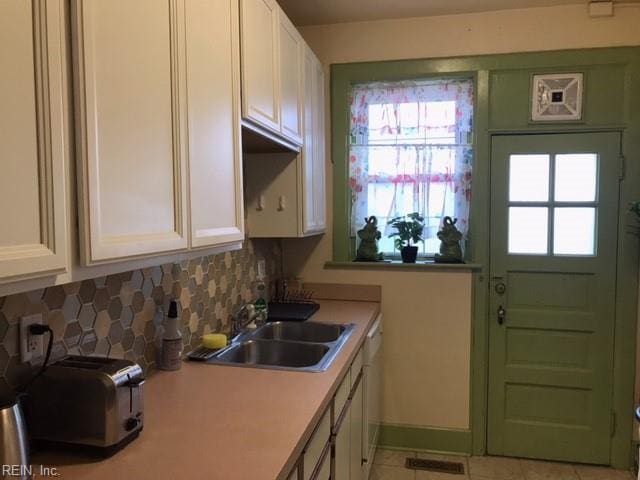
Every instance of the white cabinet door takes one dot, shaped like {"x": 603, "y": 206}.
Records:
{"x": 260, "y": 63}
{"x": 319, "y": 161}
{"x": 313, "y": 161}
{"x": 324, "y": 473}
{"x": 316, "y": 448}
{"x": 32, "y": 140}
{"x": 294, "y": 474}
{"x": 131, "y": 159}
{"x": 213, "y": 94}
{"x": 291, "y": 47}
{"x": 309, "y": 146}
{"x": 342, "y": 457}
{"x": 355, "y": 470}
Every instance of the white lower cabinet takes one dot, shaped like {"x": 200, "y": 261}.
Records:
{"x": 348, "y": 427}
{"x": 315, "y": 452}
{"x": 355, "y": 425}
{"x": 294, "y": 474}
{"x": 342, "y": 444}
{"x": 348, "y": 437}
{"x": 342, "y": 429}
{"x": 324, "y": 472}
{"x": 33, "y": 146}
{"x": 335, "y": 448}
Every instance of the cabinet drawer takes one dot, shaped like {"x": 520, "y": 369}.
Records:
{"x": 324, "y": 473}
{"x": 356, "y": 366}
{"x": 342, "y": 394}
{"x": 294, "y": 474}
{"x": 325, "y": 470}
{"x": 316, "y": 446}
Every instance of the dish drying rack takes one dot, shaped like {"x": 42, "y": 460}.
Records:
{"x": 292, "y": 305}
{"x": 284, "y": 294}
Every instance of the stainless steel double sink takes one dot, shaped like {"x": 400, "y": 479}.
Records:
{"x": 299, "y": 346}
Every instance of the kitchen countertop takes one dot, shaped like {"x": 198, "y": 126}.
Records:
{"x": 222, "y": 422}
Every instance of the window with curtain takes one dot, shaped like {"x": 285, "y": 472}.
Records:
{"x": 410, "y": 150}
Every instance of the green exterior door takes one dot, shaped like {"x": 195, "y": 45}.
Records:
{"x": 554, "y": 218}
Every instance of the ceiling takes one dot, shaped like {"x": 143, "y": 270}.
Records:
{"x": 319, "y": 12}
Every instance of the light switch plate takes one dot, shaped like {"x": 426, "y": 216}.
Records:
{"x": 31, "y": 346}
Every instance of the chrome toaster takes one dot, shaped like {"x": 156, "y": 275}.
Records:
{"x": 93, "y": 402}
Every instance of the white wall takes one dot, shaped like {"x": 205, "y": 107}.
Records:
{"x": 428, "y": 315}
{"x": 531, "y": 29}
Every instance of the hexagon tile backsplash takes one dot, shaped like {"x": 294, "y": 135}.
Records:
{"x": 121, "y": 315}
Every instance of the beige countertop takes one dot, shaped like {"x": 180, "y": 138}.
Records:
{"x": 222, "y": 422}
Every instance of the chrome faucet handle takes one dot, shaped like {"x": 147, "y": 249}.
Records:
{"x": 237, "y": 324}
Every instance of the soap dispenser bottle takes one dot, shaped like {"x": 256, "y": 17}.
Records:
{"x": 171, "y": 354}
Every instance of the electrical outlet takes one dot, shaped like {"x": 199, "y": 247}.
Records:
{"x": 31, "y": 346}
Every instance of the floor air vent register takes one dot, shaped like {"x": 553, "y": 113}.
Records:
{"x": 435, "y": 465}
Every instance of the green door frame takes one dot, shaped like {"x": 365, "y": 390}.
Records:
{"x": 624, "y": 64}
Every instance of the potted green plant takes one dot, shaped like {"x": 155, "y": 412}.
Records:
{"x": 409, "y": 230}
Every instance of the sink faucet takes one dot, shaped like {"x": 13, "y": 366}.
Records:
{"x": 243, "y": 317}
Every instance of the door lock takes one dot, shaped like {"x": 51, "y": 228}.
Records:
{"x": 500, "y": 288}
{"x": 501, "y": 315}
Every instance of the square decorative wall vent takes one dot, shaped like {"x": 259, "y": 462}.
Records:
{"x": 556, "y": 97}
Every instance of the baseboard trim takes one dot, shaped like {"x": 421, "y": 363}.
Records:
{"x": 431, "y": 439}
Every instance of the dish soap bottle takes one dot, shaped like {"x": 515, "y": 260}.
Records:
{"x": 261, "y": 305}
{"x": 171, "y": 354}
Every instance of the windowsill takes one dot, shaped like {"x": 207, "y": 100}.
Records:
{"x": 420, "y": 265}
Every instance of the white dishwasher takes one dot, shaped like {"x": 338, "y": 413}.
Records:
{"x": 372, "y": 378}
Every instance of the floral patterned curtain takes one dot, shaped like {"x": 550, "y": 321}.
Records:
{"x": 410, "y": 150}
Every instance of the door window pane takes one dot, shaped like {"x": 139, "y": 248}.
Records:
{"x": 528, "y": 229}
{"x": 576, "y": 177}
{"x": 574, "y": 231}
{"x": 529, "y": 178}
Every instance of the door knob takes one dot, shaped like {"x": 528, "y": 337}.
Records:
{"x": 501, "y": 314}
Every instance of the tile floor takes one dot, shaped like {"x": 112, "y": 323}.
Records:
{"x": 389, "y": 465}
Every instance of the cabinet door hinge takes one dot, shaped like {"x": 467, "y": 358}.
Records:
{"x": 613, "y": 424}
{"x": 621, "y": 167}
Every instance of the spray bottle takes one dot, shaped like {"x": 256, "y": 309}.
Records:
{"x": 171, "y": 355}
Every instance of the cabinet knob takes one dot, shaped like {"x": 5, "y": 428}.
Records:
{"x": 260, "y": 206}
{"x": 281, "y": 203}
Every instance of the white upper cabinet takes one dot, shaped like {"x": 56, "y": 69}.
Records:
{"x": 319, "y": 184}
{"x": 271, "y": 53}
{"x": 285, "y": 192}
{"x": 291, "y": 48}
{"x": 131, "y": 156}
{"x": 32, "y": 140}
{"x": 260, "y": 64}
{"x": 313, "y": 158}
{"x": 213, "y": 89}
{"x": 158, "y": 109}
